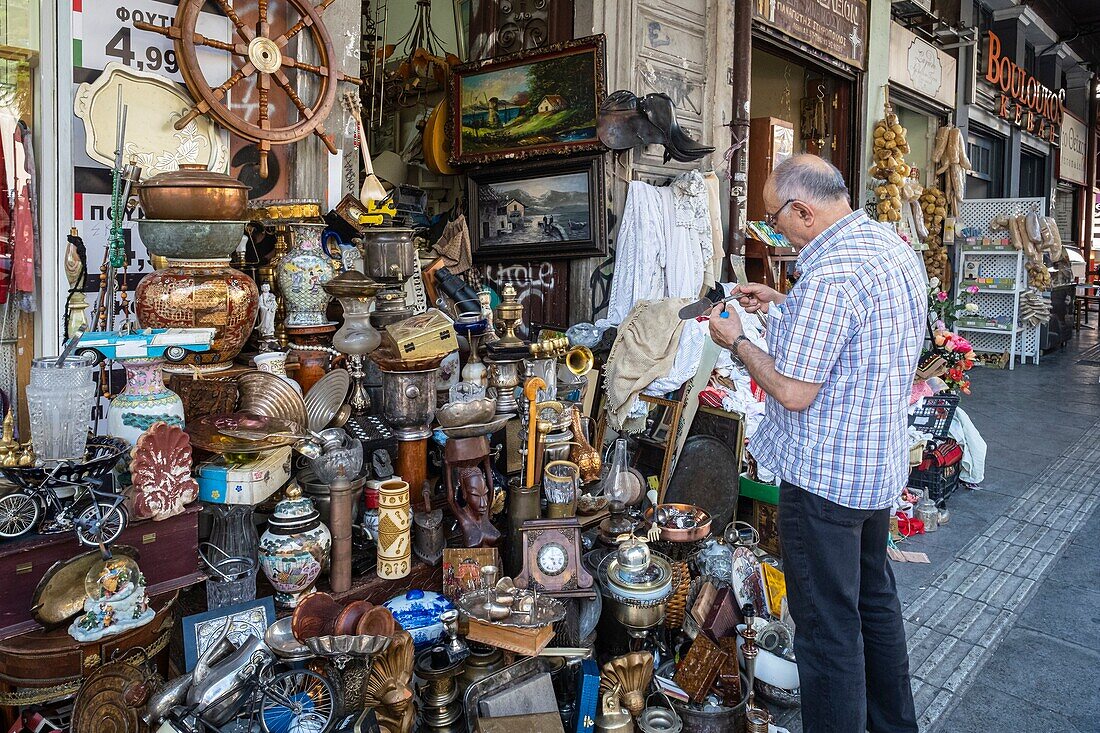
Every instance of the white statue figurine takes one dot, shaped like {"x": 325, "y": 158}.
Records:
{"x": 265, "y": 324}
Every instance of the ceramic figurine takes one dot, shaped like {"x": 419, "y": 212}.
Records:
{"x": 394, "y": 523}
{"x": 268, "y": 304}
{"x": 418, "y": 612}
{"x": 301, "y": 275}
{"x": 116, "y": 600}
{"x": 294, "y": 548}
{"x": 160, "y": 468}
{"x": 145, "y": 401}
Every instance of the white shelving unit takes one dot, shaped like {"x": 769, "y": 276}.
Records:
{"x": 1001, "y": 302}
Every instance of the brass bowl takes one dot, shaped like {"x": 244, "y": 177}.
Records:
{"x": 263, "y": 393}
{"x": 190, "y": 239}
{"x": 457, "y": 414}
{"x": 194, "y": 193}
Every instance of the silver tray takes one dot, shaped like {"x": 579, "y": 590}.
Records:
{"x": 549, "y": 610}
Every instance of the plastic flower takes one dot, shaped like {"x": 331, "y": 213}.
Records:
{"x": 941, "y": 296}
{"x": 973, "y": 289}
{"x": 971, "y": 307}
{"x": 971, "y": 356}
{"x": 962, "y": 345}
{"x": 939, "y": 339}
{"x": 941, "y": 326}
{"x": 934, "y": 283}
{"x": 955, "y": 373}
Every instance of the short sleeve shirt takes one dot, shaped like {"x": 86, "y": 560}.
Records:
{"x": 854, "y": 323}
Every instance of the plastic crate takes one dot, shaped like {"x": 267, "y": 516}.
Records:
{"x": 935, "y": 414}
{"x": 938, "y": 483}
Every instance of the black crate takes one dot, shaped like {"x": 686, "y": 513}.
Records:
{"x": 935, "y": 414}
{"x": 938, "y": 483}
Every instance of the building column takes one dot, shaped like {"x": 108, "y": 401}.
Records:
{"x": 876, "y": 78}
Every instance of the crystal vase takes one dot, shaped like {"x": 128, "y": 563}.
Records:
{"x": 60, "y": 402}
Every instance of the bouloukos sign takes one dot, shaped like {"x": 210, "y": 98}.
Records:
{"x": 1023, "y": 100}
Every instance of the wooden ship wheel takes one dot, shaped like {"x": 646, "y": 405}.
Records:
{"x": 257, "y": 51}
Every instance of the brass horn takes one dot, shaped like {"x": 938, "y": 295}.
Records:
{"x": 579, "y": 359}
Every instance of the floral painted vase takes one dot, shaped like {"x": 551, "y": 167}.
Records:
{"x": 301, "y": 275}
{"x": 394, "y": 530}
{"x": 145, "y": 401}
{"x": 418, "y": 611}
{"x": 294, "y": 548}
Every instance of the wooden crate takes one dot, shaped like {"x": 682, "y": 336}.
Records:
{"x": 528, "y": 642}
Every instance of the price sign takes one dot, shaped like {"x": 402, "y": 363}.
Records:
{"x": 107, "y": 33}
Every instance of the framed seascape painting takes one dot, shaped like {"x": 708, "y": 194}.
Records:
{"x": 547, "y": 209}
{"x": 528, "y": 104}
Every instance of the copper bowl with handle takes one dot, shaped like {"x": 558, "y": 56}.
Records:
{"x": 194, "y": 193}
{"x": 686, "y": 534}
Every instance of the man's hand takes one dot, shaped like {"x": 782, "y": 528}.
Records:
{"x": 755, "y": 297}
{"x": 725, "y": 326}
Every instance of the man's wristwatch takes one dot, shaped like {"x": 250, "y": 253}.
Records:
{"x": 737, "y": 342}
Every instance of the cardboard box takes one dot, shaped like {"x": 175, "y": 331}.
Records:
{"x": 251, "y": 482}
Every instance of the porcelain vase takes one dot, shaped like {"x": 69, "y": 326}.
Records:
{"x": 201, "y": 294}
{"x": 295, "y": 548}
{"x": 394, "y": 530}
{"x": 145, "y": 401}
{"x": 274, "y": 362}
{"x": 302, "y": 274}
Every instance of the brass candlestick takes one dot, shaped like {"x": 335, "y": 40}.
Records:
{"x": 509, "y": 313}
{"x": 756, "y": 718}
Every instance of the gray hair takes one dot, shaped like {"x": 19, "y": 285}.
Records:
{"x": 809, "y": 178}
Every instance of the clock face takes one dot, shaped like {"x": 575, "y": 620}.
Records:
{"x": 552, "y": 558}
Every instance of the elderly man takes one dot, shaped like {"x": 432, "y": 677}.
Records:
{"x": 844, "y": 347}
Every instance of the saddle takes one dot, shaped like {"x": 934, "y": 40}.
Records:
{"x": 626, "y": 121}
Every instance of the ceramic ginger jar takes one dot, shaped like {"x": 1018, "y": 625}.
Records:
{"x": 418, "y": 612}
{"x": 302, "y": 274}
{"x": 201, "y": 294}
{"x": 294, "y": 548}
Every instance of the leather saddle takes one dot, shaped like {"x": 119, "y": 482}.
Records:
{"x": 626, "y": 121}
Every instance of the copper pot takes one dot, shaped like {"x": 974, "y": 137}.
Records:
{"x": 192, "y": 192}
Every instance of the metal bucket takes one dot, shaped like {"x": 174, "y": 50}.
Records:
{"x": 231, "y": 579}
{"x": 720, "y": 720}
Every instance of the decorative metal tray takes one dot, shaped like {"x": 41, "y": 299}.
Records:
{"x": 548, "y": 610}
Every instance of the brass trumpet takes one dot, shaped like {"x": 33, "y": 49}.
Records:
{"x": 579, "y": 360}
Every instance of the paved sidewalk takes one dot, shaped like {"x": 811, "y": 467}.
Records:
{"x": 1003, "y": 626}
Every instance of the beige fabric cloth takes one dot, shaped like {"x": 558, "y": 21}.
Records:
{"x": 454, "y": 246}
{"x": 713, "y": 272}
{"x": 644, "y": 350}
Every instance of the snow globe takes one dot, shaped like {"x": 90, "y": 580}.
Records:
{"x": 115, "y": 601}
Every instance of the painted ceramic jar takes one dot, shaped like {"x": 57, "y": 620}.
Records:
{"x": 144, "y": 401}
{"x": 201, "y": 294}
{"x": 274, "y": 362}
{"x": 394, "y": 530}
{"x": 294, "y": 548}
{"x": 418, "y": 611}
{"x": 302, "y": 274}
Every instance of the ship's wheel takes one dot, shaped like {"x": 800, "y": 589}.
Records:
{"x": 257, "y": 51}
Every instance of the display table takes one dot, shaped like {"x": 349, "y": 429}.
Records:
{"x": 42, "y": 666}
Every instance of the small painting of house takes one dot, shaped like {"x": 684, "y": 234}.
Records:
{"x": 513, "y": 209}
{"x": 552, "y": 103}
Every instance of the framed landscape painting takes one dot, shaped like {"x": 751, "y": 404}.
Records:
{"x": 528, "y": 103}
{"x": 547, "y": 209}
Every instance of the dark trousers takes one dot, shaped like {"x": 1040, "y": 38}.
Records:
{"x": 853, "y": 665}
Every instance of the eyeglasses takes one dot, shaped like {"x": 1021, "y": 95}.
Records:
{"x": 772, "y": 219}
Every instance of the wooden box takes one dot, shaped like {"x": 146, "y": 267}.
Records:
{"x": 528, "y": 642}
{"x": 168, "y": 556}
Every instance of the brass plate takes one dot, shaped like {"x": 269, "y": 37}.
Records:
{"x": 60, "y": 593}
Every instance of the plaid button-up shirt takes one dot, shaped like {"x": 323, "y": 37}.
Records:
{"x": 854, "y": 323}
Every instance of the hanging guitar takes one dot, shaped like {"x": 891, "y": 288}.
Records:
{"x": 258, "y": 51}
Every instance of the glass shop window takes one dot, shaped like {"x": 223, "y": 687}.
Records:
{"x": 987, "y": 157}
{"x": 19, "y": 246}
{"x": 1033, "y": 176}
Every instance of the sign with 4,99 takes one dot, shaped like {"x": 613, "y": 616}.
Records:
{"x": 103, "y": 31}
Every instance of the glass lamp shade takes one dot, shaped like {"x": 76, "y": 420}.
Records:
{"x": 357, "y": 336}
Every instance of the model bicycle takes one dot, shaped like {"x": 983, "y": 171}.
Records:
{"x": 247, "y": 687}
{"x": 95, "y": 512}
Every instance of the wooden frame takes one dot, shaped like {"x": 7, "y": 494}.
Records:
{"x": 581, "y": 236}
{"x": 566, "y": 125}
